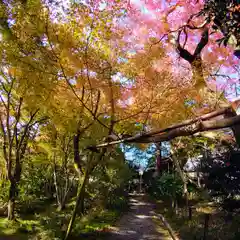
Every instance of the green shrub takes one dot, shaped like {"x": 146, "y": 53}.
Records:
{"x": 4, "y": 186}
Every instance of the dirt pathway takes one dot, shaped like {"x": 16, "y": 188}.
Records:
{"x": 138, "y": 223}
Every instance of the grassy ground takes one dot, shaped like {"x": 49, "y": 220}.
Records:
{"x": 42, "y": 221}
{"x": 222, "y": 225}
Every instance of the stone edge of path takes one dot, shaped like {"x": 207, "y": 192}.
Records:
{"x": 167, "y": 225}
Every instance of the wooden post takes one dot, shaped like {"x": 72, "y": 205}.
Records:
{"x": 206, "y": 222}
{"x": 190, "y": 213}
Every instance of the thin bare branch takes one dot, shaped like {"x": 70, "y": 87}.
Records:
{"x": 25, "y": 132}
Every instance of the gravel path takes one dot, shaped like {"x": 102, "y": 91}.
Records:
{"x": 138, "y": 223}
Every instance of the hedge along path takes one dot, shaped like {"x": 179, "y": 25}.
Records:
{"x": 139, "y": 223}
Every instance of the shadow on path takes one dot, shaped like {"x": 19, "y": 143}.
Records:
{"x": 138, "y": 224}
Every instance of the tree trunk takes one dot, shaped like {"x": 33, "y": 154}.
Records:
{"x": 79, "y": 204}
{"x": 235, "y": 128}
{"x": 61, "y": 192}
{"x": 183, "y": 178}
{"x": 236, "y": 132}
{"x": 77, "y": 160}
{"x": 199, "y": 181}
{"x": 62, "y": 203}
{"x": 65, "y": 192}
{"x": 56, "y": 185}
{"x": 13, "y": 189}
{"x": 190, "y": 213}
{"x": 197, "y": 71}
{"x": 11, "y": 200}
{"x": 176, "y": 206}
{"x": 185, "y": 190}
{"x": 173, "y": 203}
{"x": 159, "y": 156}
{"x": 206, "y": 224}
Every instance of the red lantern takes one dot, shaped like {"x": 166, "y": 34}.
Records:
{"x": 227, "y": 164}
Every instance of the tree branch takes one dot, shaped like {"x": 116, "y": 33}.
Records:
{"x": 18, "y": 115}
{"x": 4, "y": 140}
{"x": 25, "y": 132}
{"x": 202, "y": 43}
{"x": 186, "y": 128}
{"x": 183, "y": 52}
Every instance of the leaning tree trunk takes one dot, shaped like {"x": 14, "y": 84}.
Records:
{"x": 81, "y": 186}
{"x": 79, "y": 205}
